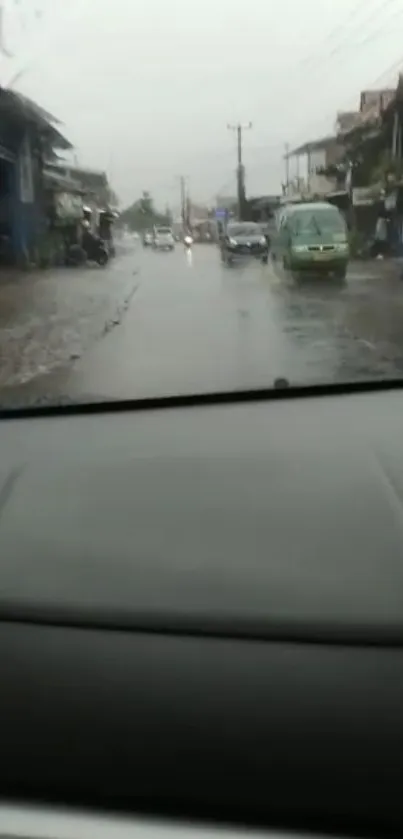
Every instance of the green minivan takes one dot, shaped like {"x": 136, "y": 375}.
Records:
{"x": 312, "y": 237}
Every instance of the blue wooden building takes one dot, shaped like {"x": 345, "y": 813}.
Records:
{"x": 28, "y": 137}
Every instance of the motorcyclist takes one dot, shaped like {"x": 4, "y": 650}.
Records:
{"x": 89, "y": 240}
{"x": 188, "y": 239}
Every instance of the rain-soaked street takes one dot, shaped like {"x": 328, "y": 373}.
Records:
{"x": 160, "y": 323}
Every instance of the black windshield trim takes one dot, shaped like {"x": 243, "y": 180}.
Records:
{"x": 237, "y": 397}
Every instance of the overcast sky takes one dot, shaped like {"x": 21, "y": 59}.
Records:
{"x": 145, "y": 88}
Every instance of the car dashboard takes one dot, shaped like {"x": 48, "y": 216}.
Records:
{"x": 33, "y": 822}
{"x": 201, "y": 620}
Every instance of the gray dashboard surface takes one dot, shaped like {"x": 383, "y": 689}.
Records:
{"x": 278, "y": 516}
{"x": 30, "y": 822}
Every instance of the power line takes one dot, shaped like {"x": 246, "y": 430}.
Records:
{"x": 395, "y": 66}
{"x": 372, "y": 16}
{"x": 339, "y": 29}
{"x": 341, "y": 46}
{"x": 340, "y": 53}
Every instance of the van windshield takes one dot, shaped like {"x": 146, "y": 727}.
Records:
{"x": 319, "y": 222}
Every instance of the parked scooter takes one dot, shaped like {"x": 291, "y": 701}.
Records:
{"x": 93, "y": 249}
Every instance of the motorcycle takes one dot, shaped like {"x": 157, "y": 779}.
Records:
{"x": 93, "y": 250}
{"x": 188, "y": 242}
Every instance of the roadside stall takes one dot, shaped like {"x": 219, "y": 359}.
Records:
{"x": 393, "y": 210}
{"x": 64, "y": 212}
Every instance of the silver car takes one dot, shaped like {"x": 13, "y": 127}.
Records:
{"x": 163, "y": 239}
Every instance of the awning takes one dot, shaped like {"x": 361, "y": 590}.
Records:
{"x": 312, "y": 145}
{"x": 61, "y": 183}
{"x": 19, "y": 107}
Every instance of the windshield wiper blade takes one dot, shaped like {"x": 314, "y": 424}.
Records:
{"x": 275, "y": 391}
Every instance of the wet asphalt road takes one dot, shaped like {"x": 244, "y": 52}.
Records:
{"x": 195, "y": 325}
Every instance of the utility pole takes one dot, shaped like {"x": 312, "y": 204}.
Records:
{"x": 182, "y": 187}
{"x": 184, "y": 200}
{"x": 240, "y": 171}
{"x": 287, "y": 167}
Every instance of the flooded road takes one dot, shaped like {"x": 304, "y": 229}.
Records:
{"x": 195, "y": 325}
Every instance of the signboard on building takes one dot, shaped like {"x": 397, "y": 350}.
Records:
{"x": 68, "y": 206}
{"x": 365, "y": 196}
{"x": 26, "y": 173}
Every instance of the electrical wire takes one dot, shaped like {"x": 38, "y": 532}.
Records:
{"x": 326, "y": 64}
{"x": 336, "y": 31}
{"x": 364, "y": 43}
{"x": 383, "y": 77}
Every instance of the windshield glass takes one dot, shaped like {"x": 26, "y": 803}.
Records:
{"x": 132, "y": 153}
{"x": 244, "y": 230}
{"x": 318, "y": 222}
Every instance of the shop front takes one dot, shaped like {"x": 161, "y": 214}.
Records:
{"x": 65, "y": 216}
{"x": 7, "y": 188}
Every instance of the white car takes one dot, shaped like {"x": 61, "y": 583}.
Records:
{"x": 163, "y": 239}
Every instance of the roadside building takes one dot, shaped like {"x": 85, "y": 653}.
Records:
{"x": 94, "y": 185}
{"x": 343, "y": 168}
{"x": 312, "y": 160}
{"x": 98, "y": 197}
{"x": 64, "y": 199}
{"x": 28, "y": 135}
{"x": 371, "y": 142}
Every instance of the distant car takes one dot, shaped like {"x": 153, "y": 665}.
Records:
{"x": 163, "y": 239}
{"x": 148, "y": 239}
{"x": 242, "y": 239}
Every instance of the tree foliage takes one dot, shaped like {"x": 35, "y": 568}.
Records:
{"x": 142, "y": 214}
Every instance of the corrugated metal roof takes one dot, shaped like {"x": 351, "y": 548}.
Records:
{"x": 22, "y": 108}
{"x": 93, "y": 178}
{"x": 372, "y": 105}
{"x": 37, "y": 109}
{"x": 371, "y": 98}
{"x": 55, "y": 180}
{"x": 312, "y": 145}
